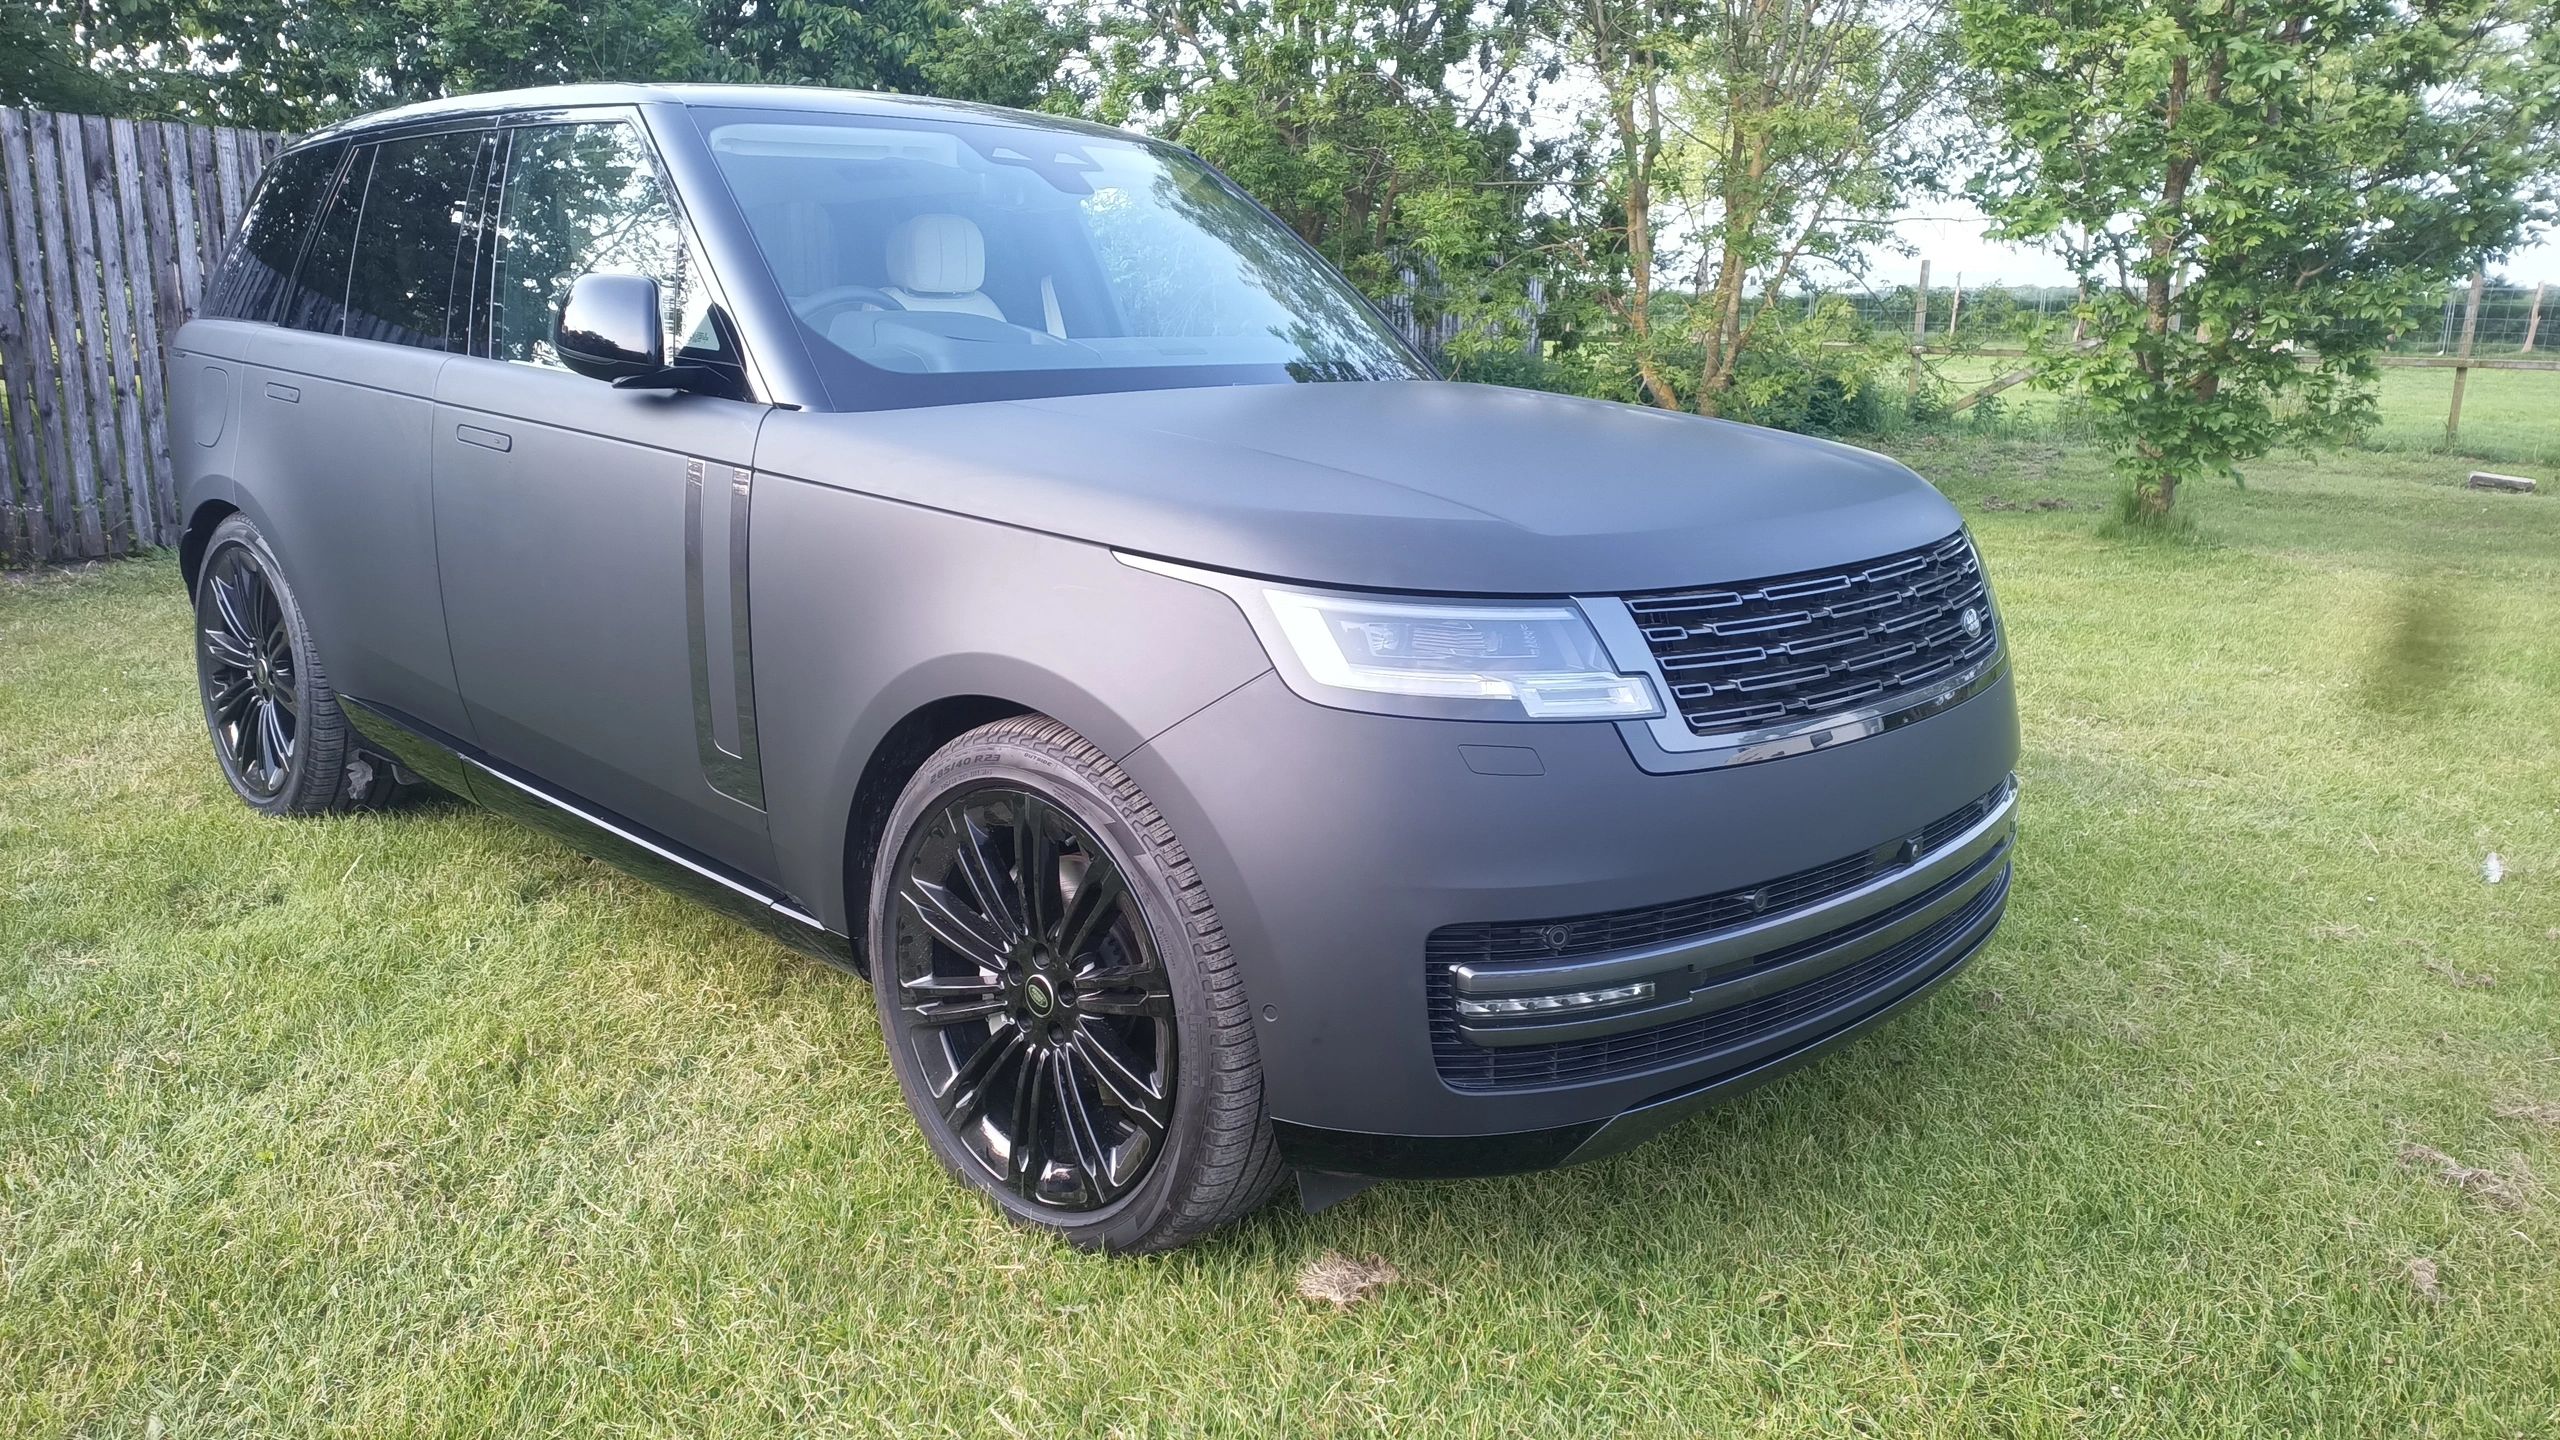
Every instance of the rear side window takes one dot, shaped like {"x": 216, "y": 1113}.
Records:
{"x": 580, "y": 198}
{"x": 318, "y": 298}
{"x": 410, "y": 227}
{"x": 252, "y": 282}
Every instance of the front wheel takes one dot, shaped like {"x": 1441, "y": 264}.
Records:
{"x": 1058, "y": 997}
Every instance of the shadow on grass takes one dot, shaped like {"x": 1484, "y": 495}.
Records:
{"x": 2420, "y": 657}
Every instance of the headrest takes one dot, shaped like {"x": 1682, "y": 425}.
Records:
{"x": 937, "y": 255}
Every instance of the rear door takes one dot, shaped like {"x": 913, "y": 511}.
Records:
{"x": 593, "y": 540}
{"x": 338, "y": 416}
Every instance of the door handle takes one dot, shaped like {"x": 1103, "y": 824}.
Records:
{"x": 498, "y": 440}
{"x": 286, "y": 393}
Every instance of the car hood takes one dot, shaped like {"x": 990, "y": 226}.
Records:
{"x": 1409, "y": 485}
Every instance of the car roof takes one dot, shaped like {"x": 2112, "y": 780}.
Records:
{"x": 780, "y": 99}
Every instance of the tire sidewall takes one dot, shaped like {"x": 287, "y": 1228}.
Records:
{"x": 977, "y": 763}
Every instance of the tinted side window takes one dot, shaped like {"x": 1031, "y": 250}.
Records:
{"x": 582, "y": 198}
{"x": 318, "y": 299}
{"x": 254, "y": 276}
{"x": 408, "y": 232}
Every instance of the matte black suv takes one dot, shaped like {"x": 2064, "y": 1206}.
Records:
{"x": 993, "y": 553}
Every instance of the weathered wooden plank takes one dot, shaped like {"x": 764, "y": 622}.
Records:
{"x": 106, "y": 228}
{"x": 2456, "y": 362}
{"x": 50, "y": 493}
{"x": 75, "y": 483}
{"x": 24, "y": 536}
{"x": 88, "y": 369}
{"x": 234, "y": 195}
{"x": 201, "y": 173}
{"x": 150, "y": 370}
{"x": 178, "y": 196}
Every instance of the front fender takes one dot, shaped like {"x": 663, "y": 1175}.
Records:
{"x": 865, "y": 611}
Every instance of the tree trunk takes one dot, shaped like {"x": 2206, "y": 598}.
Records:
{"x": 1640, "y": 145}
{"x": 2154, "y": 497}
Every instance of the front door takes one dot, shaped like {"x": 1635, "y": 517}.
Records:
{"x": 593, "y": 540}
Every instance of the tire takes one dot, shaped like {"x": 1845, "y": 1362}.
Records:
{"x": 278, "y": 734}
{"x": 1099, "y": 1013}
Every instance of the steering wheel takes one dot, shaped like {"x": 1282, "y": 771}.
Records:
{"x": 816, "y": 310}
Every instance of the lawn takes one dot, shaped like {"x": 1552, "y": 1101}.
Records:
{"x": 2509, "y": 417}
{"x": 417, "y": 1124}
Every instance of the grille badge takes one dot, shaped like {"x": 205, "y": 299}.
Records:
{"x": 1972, "y": 622}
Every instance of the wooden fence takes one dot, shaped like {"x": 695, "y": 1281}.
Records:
{"x": 108, "y": 229}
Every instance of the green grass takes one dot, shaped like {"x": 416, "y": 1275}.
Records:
{"x": 414, "y": 1123}
{"x": 2509, "y": 417}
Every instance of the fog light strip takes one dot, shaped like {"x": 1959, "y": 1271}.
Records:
{"x": 1562, "y": 1000}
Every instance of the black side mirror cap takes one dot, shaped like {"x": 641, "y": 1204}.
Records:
{"x": 609, "y": 327}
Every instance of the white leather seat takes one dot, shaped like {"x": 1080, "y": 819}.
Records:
{"x": 937, "y": 262}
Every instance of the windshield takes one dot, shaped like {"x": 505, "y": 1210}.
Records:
{"x": 934, "y": 262}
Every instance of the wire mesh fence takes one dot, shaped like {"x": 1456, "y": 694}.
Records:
{"x": 2516, "y": 317}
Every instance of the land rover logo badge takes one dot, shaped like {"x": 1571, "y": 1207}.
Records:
{"x": 1972, "y": 623}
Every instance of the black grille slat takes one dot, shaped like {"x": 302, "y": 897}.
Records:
{"x": 1836, "y": 639}
{"x": 1472, "y": 1067}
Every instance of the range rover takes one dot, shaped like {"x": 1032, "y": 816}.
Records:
{"x": 991, "y": 553}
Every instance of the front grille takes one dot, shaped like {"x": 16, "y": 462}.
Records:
{"x": 1472, "y": 1067}
{"x": 1799, "y": 647}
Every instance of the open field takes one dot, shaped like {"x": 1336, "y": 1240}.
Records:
{"x": 2509, "y": 417}
{"x": 418, "y": 1124}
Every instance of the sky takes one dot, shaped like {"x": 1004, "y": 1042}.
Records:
{"x": 1949, "y": 233}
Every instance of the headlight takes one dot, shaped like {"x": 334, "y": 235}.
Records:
{"x": 1459, "y": 659}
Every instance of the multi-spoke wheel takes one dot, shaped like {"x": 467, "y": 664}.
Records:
{"x": 1058, "y": 997}
{"x": 275, "y": 722}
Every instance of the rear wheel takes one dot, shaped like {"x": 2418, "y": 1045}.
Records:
{"x": 277, "y": 731}
{"x": 1058, "y": 996}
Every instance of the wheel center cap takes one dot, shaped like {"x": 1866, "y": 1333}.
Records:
{"x": 1040, "y": 995}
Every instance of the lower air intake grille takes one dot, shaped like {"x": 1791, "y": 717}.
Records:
{"x": 1466, "y": 1066}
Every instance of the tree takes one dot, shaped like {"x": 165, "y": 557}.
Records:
{"x": 1803, "y": 125}
{"x": 1743, "y": 140}
{"x": 297, "y": 64}
{"x": 2255, "y": 189}
{"x": 1344, "y": 118}
{"x": 1624, "y": 47}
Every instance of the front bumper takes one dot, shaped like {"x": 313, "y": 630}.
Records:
{"x": 1337, "y": 844}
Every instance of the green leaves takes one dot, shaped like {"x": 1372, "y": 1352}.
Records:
{"x": 297, "y": 64}
{"x": 2256, "y": 191}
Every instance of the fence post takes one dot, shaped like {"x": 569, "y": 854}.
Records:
{"x": 1919, "y": 328}
{"x": 1955, "y": 308}
{"x": 2462, "y": 373}
{"x": 2532, "y": 319}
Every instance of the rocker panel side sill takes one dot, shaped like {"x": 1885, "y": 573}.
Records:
{"x": 454, "y": 765}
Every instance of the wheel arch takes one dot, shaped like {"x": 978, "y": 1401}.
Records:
{"x": 901, "y": 752}
{"x": 201, "y": 523}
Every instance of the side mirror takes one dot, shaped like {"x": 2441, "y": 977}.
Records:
{"x": 609, "y": 327}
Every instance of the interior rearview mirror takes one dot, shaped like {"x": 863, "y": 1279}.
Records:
{"x": 608, "y": 328}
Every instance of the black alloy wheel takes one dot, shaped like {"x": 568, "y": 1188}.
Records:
{"x": 1059, "y": 999}
{"x": 1043, "y": 1013}
{"x": 252, "y": 689}
{"x": 278, "y": 733}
